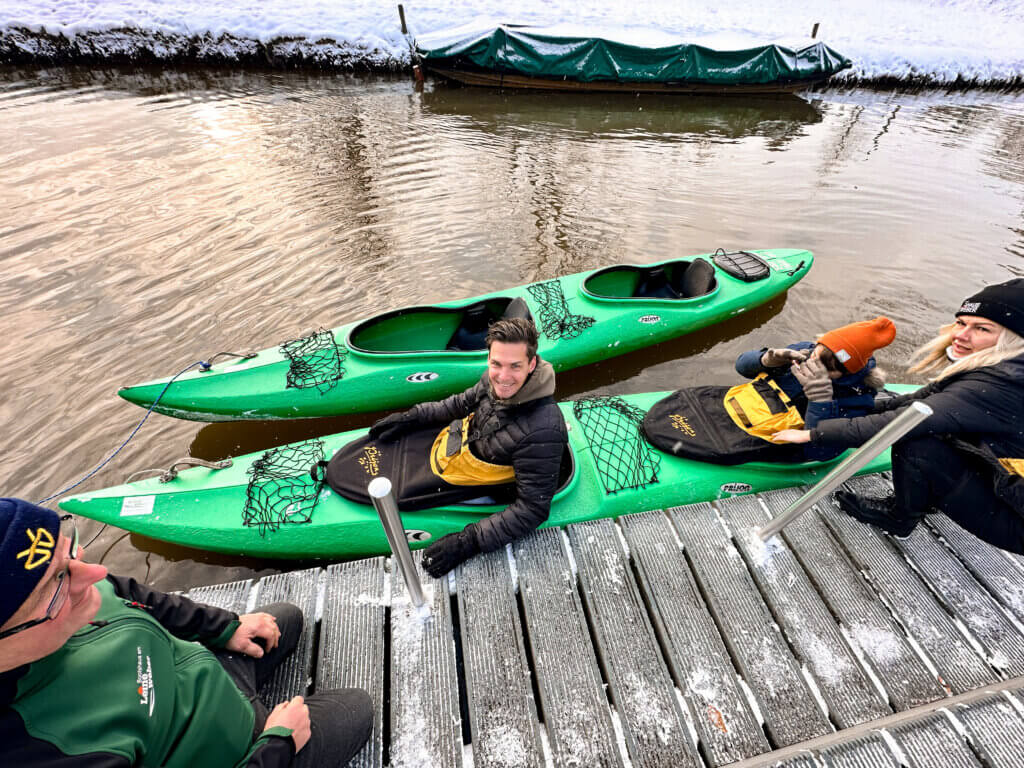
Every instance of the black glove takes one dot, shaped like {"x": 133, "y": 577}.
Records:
{"x": 774, "y": 358}
{"x": 392, "y": 427}
{"x": 813, "y": 377}
{"x": 448, "y": 551}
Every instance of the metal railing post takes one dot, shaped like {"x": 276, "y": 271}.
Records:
{"x": 384, "y": 502}
{"x": 889, "y": 434}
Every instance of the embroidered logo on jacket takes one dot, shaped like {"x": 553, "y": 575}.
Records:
{"x": 144, "y": 679}
{"x": 40, "y": 549}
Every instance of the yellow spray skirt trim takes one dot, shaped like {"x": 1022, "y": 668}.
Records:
{"x": 1013, "y": 466}
{"x": 749, "y": 411}
{"x": 463, "y": 468}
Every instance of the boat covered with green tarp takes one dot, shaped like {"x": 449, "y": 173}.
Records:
{"x": 413, "y": 354}
{"x": 568, "y": 58}
{"x": 270, "y": 504}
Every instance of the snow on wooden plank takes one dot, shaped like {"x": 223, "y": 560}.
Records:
{"x": 231, "y": 597}
{"x": 866, "y": 752}
{"x": 765, "y": 661}
{"x": 574, "y": 704}
{"x": 726, "y": 727}
{"x": 901, "y": 672}
{"x": 639, "y": 683}
{"x": 961, "y": 668}
{"x": 1002, "y": 573}
{"x": 502, "y": 712}
{"x": 425, "y": 723}
{"x": 811, "y": 630}
{"x": 996, "y": 731}
{"x": 292, "y": 676}
{"x": 352, "y": 641}
{"x": 932, "y": 741}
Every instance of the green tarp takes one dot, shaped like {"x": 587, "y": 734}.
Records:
{"x": 551, "y": 53}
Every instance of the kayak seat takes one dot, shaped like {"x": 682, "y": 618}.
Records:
{"x": 654, "y": 283}
{"x": 697, "y": 280}
{"x": 471, "y": 333}
{"x": 682, "y": 279}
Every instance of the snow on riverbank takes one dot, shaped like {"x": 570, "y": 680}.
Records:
{"x": 936, "y": 41}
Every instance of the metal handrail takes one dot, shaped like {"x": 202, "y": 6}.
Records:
{"x": 889, "y": 434}
{"x": 383, "y": 499}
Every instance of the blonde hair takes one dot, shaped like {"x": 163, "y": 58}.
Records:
{"x": 932, "y": 355}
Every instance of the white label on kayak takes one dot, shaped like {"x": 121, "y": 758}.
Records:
{"x": 650, "y": 319}
{"x": 736, "y": 488}
{"x": 137, "y": 505}
{"x": 415, "y": 535}
{"x": 781, "y": 265}
{"x": 421, "y": 377}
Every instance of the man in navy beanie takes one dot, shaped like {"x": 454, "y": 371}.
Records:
{"x": 98, "y": 670}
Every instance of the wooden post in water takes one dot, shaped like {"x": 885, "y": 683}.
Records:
{"x": 405, "y": 29}
{"x": 814, "y": 32}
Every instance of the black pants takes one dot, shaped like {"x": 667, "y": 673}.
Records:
{"x": 928, "y": 473}
{"x": 341, "y": 720}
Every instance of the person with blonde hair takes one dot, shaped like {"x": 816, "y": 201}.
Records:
{"x": 966, "y": 460}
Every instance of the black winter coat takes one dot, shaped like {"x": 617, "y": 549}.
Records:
{"x": 980, "y": 411}
{"x": 530, "y": 436}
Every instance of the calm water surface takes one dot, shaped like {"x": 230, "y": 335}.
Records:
{"x": 148, "y": 220}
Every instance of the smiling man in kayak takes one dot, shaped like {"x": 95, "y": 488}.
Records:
{"x": 505, "y": 427}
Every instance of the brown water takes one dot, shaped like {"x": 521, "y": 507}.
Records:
{"x": 148, "y": 220}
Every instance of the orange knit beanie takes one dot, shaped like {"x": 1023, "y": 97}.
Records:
{"x": 853, "y": 344}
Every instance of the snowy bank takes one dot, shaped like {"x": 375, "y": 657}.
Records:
{"x": 924, "y": 41}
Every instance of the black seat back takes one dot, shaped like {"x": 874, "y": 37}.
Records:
{"x": 698, "y": 279}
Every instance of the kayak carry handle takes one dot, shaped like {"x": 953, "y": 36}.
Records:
{"x": 889, "y": 434}
{"x": 205, "y": 365}
{"x": 383, "y": 499}
{"x": 172, "y": 471}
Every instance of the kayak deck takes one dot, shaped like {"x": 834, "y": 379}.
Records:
{"x": 607, "y": 641}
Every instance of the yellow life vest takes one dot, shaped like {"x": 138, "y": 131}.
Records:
{"x": 452, "y": 461}
{"x": 760, "y": 408}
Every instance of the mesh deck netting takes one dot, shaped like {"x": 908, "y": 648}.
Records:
{"x": 315, "y": 361}
{"x": 612, "y": 428}
{"x": 556, "y": 320}
{"x": 280, "y": 489}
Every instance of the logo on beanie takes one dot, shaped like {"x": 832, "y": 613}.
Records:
{"x": 970, "y": 307}
{"x": 842, "y": 355}
{"x": 40, "y": 549}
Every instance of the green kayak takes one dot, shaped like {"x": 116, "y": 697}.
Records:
{"x": 268, "y": 505}
{"x": 422, "y": 353}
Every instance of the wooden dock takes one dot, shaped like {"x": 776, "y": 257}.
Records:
{"x": 677, "y": 638}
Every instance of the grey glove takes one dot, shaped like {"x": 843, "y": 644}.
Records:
{"x": 813, "y": 377}
{"x": 774, "y": 358}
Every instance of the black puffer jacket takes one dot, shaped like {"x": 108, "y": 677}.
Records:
{"x": 980, "y": 411}
{"x": 527, "y": 432}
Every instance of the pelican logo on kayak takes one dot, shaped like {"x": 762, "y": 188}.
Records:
{"x": 736, "y": 488}
{"x": 650, "y": 319}
{"x": 412, "y": 535}
{"x": 370, "y": 460}
{"x": 680, "y": 423}
{"x": 422, "y": 377}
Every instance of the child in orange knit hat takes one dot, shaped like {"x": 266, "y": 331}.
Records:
{"x": 835, "y": 377}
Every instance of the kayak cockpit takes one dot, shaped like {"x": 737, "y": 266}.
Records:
{"x": 506, "y": 494}
{"x": 433, "y": 329}
{"x": 673, "y": 280}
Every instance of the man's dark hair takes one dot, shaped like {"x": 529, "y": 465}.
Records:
{"x": 514, "y": 330}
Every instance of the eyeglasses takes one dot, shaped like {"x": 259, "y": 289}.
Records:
{"x": 60, "y": 595}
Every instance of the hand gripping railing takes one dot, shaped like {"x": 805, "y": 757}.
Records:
{"x": 889, "y": 434}
{"x": 384, "y": 501}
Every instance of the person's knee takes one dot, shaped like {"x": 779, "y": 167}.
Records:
{"x": 354, "y": 705}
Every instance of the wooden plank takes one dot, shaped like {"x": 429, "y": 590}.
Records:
{"x": 639, "y": 683}
{"x": 502, "y": 712}
{"x": 1002, "y": 574}
{"x": 996, "y": 730}
{"x": 808, "y": 625}
{"x": 351, "y": 651}
{"x": 425, "y": 724}
{"x": 868, "y": 751}
{"x": 233, "y": 596}
{"x": 901, "y": 672}
{"x": 790, "y": 712}
{"x": 292, "y": 676}
{"x": 726, "y": 727}
{"x": 932, "y": 741}
{"x": 966, "y": 599}
{"x": 573, "y": 701}
{"x": 907, "y": 596}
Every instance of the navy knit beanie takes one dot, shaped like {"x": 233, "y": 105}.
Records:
{"x": 1002, "y": 303}
{"x": 28, "y": 539}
